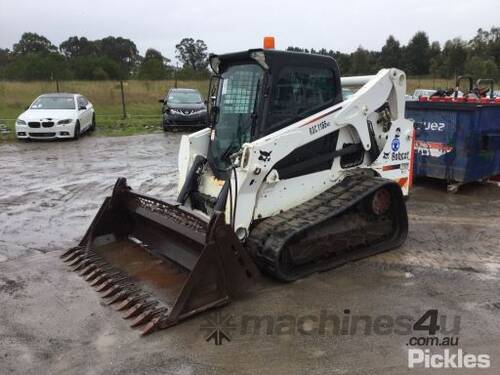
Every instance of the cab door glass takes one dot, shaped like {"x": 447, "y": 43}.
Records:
{"x": 299, "y": 92}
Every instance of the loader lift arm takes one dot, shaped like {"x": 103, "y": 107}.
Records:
{"x": 388, "y": 86}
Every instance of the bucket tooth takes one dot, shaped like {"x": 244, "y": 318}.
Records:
{"x": 88, "y": 269}
{"x": 147, "y": 316}
{"x": 153, "y": 325}
{"x": 121, "y": 295}
{"x": 99, "y": 270}
{"x": 90, "y": 266}
{"x": 67, "y": 253}
{"x": 107, "y": 281}
{"x": 138, "y": 309}
{"x": 88, "y": 260}
{"x": 81, "y": 265}
{"x": 77, "y": 260}
{"x": 105, "y": 285}
{"x": 118, "y": 287}
{"x": 131, "y": 301}
{"x": 73, "y": 256}
{"x": 100, "y": 276}
{"x": 111, "y": 291}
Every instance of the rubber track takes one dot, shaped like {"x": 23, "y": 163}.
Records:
{"x": 268, "y": 237}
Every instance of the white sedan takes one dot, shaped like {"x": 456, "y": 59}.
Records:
{"x": 56, "y": 116}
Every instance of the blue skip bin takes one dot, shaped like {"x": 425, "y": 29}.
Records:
{"x": 457, "y": 141}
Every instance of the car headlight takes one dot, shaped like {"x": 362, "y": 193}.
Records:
{"x": 176, "y": 111}
{"x": 65, "y": 122}
{"x": 20, "y": 122}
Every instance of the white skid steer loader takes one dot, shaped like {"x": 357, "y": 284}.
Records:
{"x": 289, "y": 177}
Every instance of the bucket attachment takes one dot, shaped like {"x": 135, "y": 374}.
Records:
{"x": 158, "y": 262}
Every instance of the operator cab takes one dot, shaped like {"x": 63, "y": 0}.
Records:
{"x": 257, "y": 92}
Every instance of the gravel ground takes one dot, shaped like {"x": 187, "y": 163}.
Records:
{"x": 52, "y": 322}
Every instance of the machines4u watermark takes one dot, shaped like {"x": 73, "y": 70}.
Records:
{"x": 432, "y": 338}
{"x": 220, "y": 328}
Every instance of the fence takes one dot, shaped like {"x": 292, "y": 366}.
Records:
{"x": 110, "y": 98}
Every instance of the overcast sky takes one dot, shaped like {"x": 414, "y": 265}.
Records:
{"x": 232, "y": 25}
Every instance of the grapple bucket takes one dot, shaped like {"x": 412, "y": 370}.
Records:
{"x": 157, "y": 262}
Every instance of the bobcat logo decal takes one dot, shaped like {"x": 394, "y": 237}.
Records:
{"x": 265, "y": 156}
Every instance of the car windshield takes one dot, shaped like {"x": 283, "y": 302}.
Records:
{"x": 236, "y": 99}
{"x": 54, "y": 102}
{"x": 184, "y": 97}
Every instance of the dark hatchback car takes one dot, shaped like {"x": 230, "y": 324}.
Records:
{"x": 183, "y": 109}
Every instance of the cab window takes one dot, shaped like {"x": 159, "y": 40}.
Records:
{"x": 299, "y": 92}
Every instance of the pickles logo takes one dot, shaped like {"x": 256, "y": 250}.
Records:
{"x": 431, "y": 357}
{"x": 447, "y": 359}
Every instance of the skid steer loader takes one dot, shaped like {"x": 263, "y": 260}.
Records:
{"x": 288, "y": 177}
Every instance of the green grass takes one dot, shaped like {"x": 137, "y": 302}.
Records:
{"x": 141, "y": 98}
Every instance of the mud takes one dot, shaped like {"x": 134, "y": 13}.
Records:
{"x": 52, "y": 322}
{"x": 51, "y": 190}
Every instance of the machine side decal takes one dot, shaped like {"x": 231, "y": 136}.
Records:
{"x": 396, "y": 142}
{"x": 320, "y": 117}
{"x": 318, "y": 127}
{"x": 265, "y": 156}
{"x": 391, "y": 167}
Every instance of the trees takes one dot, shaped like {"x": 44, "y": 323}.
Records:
{"x": 75, "y": 47}
{"x": 416, "y": 55}
{"x": 360, "y": 61}
{"x": 454, "y": 56}
{"x": 154, "y": 66}
{"x": 486, "y": 44}
{"x": 4, "y": 56}
{"x": 33, "y": 66}
{"x": 390, "y": 55}
{"x": 33, "y": 43}
{"x": 35, "y": 57}
{"x": 95, "y": 68}
{"x": 108, "y": 58}
{"x": 193, "y": 54}
{"x": 481, "y": 68}
{"x": 121, "y": 50}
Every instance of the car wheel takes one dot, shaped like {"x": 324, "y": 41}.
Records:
{"x": 76, "y": 134}
{"x": 92, "y": 127}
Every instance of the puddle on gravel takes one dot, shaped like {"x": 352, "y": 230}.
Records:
{"x": 52, "y": 190}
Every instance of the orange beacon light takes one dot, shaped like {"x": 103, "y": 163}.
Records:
{"x": 269, "y": 42}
